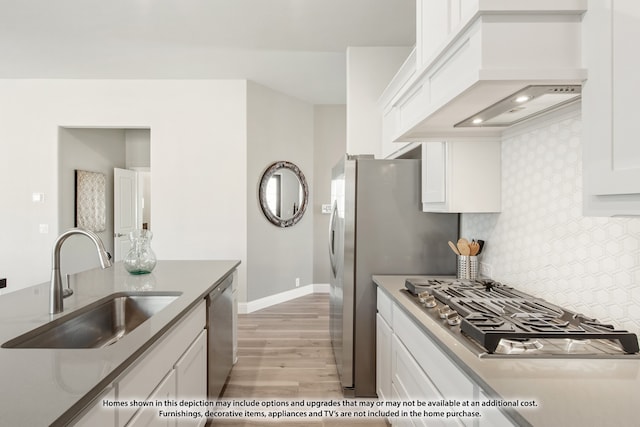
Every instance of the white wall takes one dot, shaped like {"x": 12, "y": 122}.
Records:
{"x": 198, "y": 160}
{"x": 330, "y": 135}
{"x": 138, "y": 146}
{"x": 369, "y": 71}
{"x": 279, "y": 127}
{"x": 541, "y": 242}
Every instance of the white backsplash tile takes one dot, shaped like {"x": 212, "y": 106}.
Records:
{"x": 542, "y": 244}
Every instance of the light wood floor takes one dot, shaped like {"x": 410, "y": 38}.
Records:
{"x": 284, "y": 352}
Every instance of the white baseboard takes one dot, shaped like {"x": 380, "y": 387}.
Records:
{"x": 259, "y": 304}
{"x": 321, "y": 288}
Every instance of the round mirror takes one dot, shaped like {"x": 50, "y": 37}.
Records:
{"x": 283, "y": 194}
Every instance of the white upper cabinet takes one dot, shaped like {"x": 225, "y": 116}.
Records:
{"x": 369, "y": 69}
{"x": 609, "y": 109}
{"x": 472, "y": 54}
{"x": 461, "y": 176}
{"x": 436, "y": 20}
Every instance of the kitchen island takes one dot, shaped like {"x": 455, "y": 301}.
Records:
{"x": 47, "y": 386}
{"x": 566, "y": 391}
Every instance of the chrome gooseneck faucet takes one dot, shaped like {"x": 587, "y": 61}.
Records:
{"x": 55, "y": 292}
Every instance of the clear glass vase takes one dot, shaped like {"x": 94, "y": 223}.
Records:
{"x": 140, "y": 259}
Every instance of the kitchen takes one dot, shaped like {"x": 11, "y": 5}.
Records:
{"x": 583, "y": 262}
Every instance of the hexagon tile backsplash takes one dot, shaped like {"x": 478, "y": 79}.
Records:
{"x": 542, "y": 244}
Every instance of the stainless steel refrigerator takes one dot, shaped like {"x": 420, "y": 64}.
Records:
{"x": 376, "y": 227}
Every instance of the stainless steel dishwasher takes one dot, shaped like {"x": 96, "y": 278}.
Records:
{"x": 220, "y": 336}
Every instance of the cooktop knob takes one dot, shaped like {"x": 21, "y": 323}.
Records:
{"x": 423, "y": 295}
{"x": 444, "y": 311}
{"x": 430, "y": 301}
{"x": 453, "y": 318}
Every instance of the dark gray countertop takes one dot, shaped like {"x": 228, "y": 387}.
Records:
{"x": 46, "y": 386}
{"x": 569, "y": 392}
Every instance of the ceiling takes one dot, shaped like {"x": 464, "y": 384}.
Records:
{"x": 294, "y": 46}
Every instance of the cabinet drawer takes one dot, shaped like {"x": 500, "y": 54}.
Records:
{"x": 444, "y": 374}
{"x": 385, "y": 307}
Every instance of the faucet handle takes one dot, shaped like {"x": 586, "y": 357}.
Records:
{"x": 67, "y": 292}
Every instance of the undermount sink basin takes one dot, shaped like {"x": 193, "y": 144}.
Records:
{"x": 99, "y": 324}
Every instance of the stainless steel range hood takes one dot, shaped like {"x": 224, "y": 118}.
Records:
{"x": 525, "y": 104}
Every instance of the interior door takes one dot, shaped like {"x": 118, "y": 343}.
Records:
{"x": 125, "y": 210}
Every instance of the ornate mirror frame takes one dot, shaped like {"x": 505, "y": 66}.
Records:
{"x": 262, "y": 194}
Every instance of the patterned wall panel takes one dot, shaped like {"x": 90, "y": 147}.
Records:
{"x": 90, "y": 200}
{"x": 541, "y": 242}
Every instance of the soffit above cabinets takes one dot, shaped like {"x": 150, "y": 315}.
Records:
{"x": 498, "y": 50}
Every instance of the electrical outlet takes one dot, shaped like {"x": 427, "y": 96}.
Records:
{"x": 297, "y": 282}
{"x": 3, "y": 283}
{"x": 486, "y": 270}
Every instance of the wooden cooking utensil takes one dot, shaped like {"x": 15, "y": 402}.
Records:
{"x": 474, "y": 248}
{"x": 453, "y": 248}
{"x": 463, "y": 247}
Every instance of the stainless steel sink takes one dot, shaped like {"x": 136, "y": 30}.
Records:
{"x": 99, "y": 324}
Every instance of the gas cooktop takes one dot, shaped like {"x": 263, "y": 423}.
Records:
{"x": 500, "y": 320}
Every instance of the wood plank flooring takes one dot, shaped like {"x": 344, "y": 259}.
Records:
{"x": 284, "y": 352}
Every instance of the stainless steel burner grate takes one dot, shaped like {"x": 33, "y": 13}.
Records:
{"x": 498, "y": 316}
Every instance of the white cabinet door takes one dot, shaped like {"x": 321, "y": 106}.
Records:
{"x": 412, "y": 383}
{"x": 434, "y": 168}
{"x": 383, "y": 358}
{"x": 191, "y": 376}
{"x": 611, "y": 150}
{"x": 436, "y": 21}
{"x": 432, "y": 27}
{"x": 99, "y": 415}
{"x": 149, "y": 416}
{"x": 399, "y": 422}
{"x": 461, "y": 176}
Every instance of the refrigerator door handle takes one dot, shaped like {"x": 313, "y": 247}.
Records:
{"x": 332, "y": 238}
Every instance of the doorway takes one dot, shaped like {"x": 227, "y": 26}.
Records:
{"x": 98, "y": 150}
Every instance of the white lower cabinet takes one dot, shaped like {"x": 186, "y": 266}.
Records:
{"x": 399, "y": 422}
{"x": 412, "y": 383}
{"x": 175, "y": 367}
{"x": 191, "y": 375}
{"x": 146, "y": 373}
{"x": 149, "y": 416}
{"x": 420, "y": 370}
{"x": 383, "y": 359}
